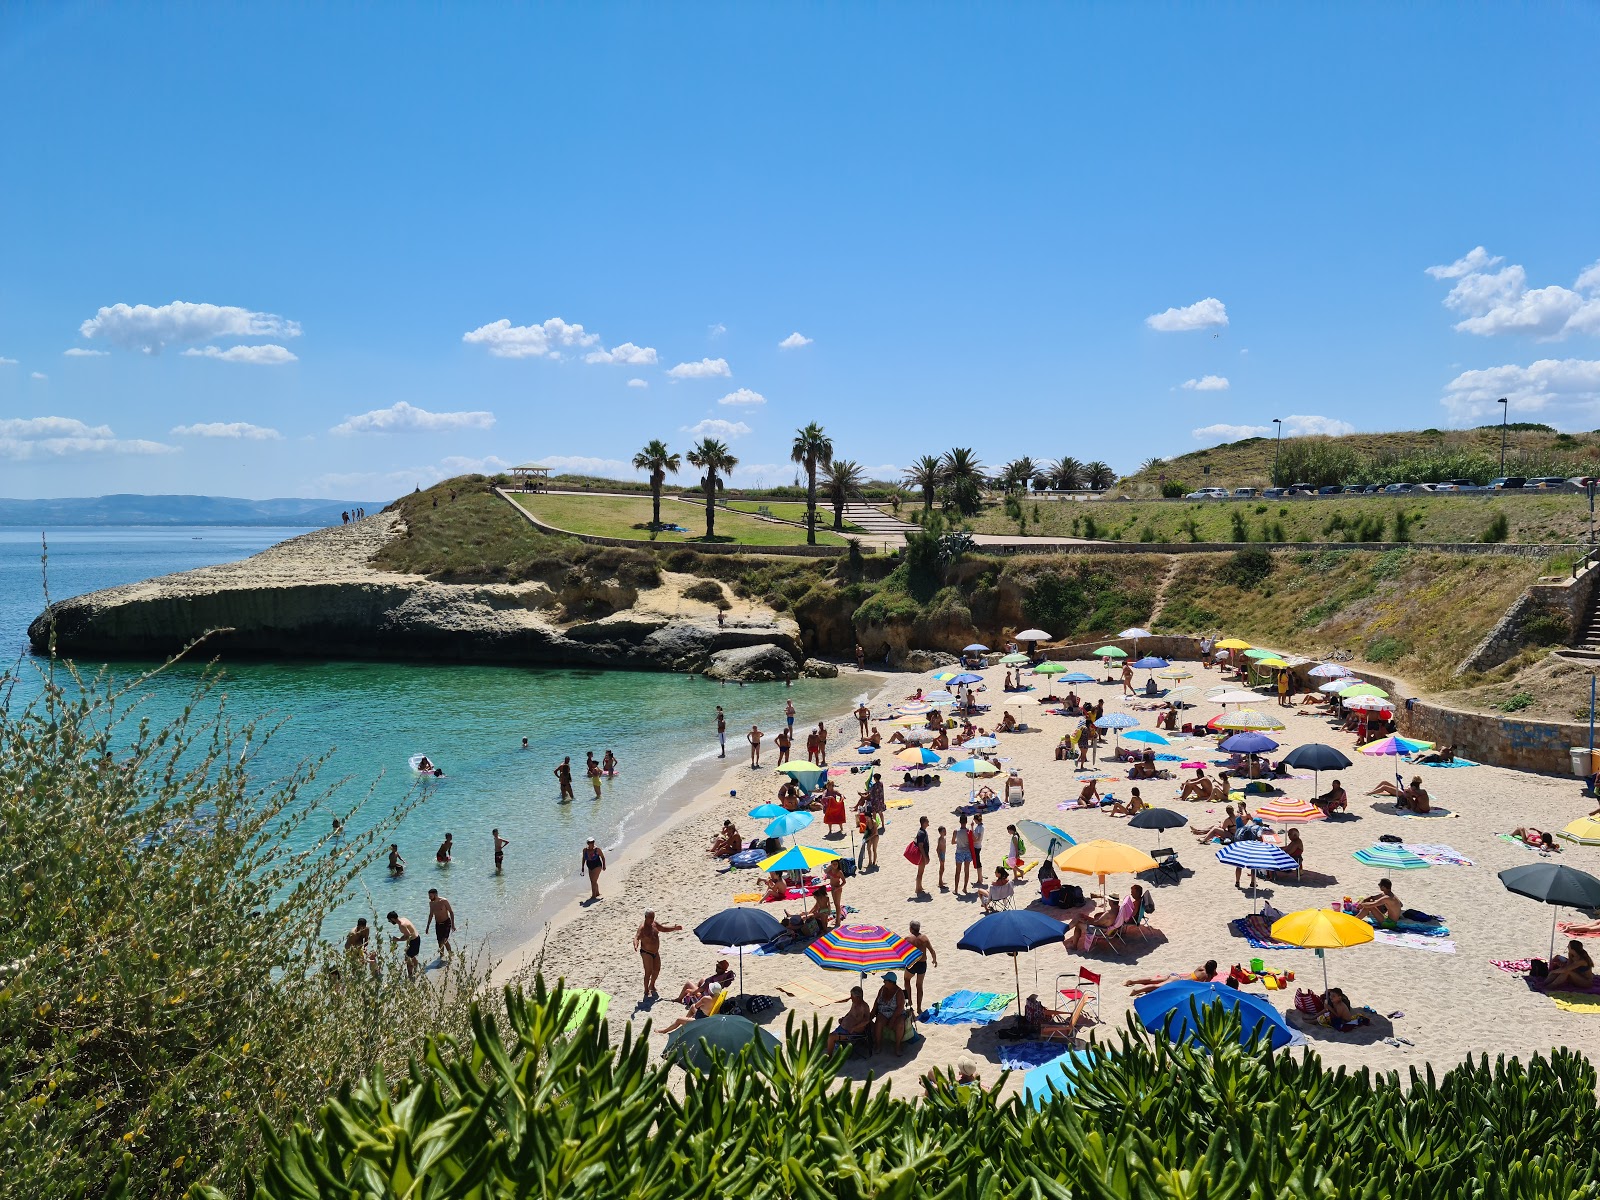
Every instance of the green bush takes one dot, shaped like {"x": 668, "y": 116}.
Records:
{"x": 1498, "y": 530}
{"x": 1246, "y": 568}
{"x": 1519, "y": 701}
{"x": 707, "y": 591}
{"x": 1238, "y": 531}
{"x": 544, "y": 1105}
{"x": 1387, "y": 649}
{"x": 1174, "y": 491}
{"x": 1546, "y": 630}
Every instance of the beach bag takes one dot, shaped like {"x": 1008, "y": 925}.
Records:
{"x": 1307, "y": 1002}
{"x": 1538, "y": 968}
{"x": 913, "y": 855}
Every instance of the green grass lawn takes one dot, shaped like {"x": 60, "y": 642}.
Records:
{"x": 1531, "y": 518}
{"x": 787, "y": 511}
{"x": 626, "y": 517}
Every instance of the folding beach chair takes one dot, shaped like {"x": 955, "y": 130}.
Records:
{"x": 1081, "y": 994}
{"x": 1167, "y": 864}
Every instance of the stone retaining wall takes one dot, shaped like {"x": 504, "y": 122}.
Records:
{"x": 1566, "y": 601}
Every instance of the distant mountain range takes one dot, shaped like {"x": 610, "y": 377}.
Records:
{"x": 177, "y": 510}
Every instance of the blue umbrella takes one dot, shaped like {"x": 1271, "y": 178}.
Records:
{"x": 966, "y": 677}
{"x": 1183, "y": 1000}
{"x": 765, "y": 812}
{"x": 790, "y": 822}
{"x": 1146, "y": 735}
{"x": 738, "y": 927}
{"x": 1011, "y": 932}
{"x": 1256, "y": 856}
{"x": 1249, "y": 743}
{"x": 1049, "y": 840}
{"x": 975, "y": 648}
{"x": 983, "y": 742}
{"x": 972, "y": 766}
{"x": 1116, "y": 720}
{"x": 1059, "y": 1075}
{"x": 1150, "y": 663}
{"x": 1077, "y": 677}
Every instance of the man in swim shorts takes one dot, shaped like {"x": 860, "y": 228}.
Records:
{"x": 722, "y": 733}
{"x": 853, "y": 1023}
{"x": 413, "y": 940}
{"x": 442, "y": 920}
{"x": 500, "y": 845}
{"x": 918, "y": 970}
{"x": 647, "y": 941}
{"x": 397, "y": 865}
{"x": 563, "y": 775}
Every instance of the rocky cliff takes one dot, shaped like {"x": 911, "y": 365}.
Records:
{"x": 317, "y": 596}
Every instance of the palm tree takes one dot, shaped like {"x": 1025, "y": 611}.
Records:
{"x": 712, "y": 457}
{"x": 1067, "y": 474}
{"x": 843, "y": 481}
{"x": 926, "y": 474}
{"x": 963, "y": 476}
{"x": 812, "y": 448}
{"x": 656, "y": 459}
{"x": 1099, "y": 476}
{"x": 1018, "y": 474}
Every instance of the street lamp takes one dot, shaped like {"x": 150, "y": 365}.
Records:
{"x": 1504, "y": 414}
{"x": 1277, "y": 449}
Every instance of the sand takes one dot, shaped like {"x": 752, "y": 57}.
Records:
{"x": 1448, "y": 1005}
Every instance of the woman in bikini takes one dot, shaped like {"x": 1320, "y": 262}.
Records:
{"x": 1572, "y": 970}
{"x": 1143, "y": 987}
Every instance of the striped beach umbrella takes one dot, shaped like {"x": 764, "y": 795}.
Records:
{"x": 915, "y": 708}
{"x": 1286, "y": 810}
{"x": 1396, "y": 745}
{"x": 1256, "y": 856}
{"x": 863, "y": 948}
{"x": 1329, "y": 671}
{"x": 1386, "y": 856}
{"x": 797, "y": 858}
{"x": 918, "y": 757}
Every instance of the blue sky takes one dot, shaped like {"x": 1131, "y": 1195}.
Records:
{"x": 343, "y": 250}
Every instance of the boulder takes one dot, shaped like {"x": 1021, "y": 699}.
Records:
{"x": 752, "y": 664}
{"x": 815, "y": 668}
{"x": 924, "y": 660}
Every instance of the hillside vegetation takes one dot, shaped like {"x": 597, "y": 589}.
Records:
{"x": 1414, "y": 456}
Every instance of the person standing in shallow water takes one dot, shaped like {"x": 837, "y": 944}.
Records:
{"x": 563, "y": 774}
{"x": 397, "y": 865}
{"x": 592, "y": 769}
{"x": 722, "y": 733}
{"x": 500, "y": 845}
{"x": 446, "y": 851}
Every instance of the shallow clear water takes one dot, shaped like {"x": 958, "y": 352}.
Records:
{"x": 470, "y": 720}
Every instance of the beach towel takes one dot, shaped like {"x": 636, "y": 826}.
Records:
{"x": 1239, "y": 930}
{"x": 1415, "y": 941}
{"x": 1575, "y": 1002}
{"x": 1437, "y": 854}
{"x": 819, "y": 994}
{"x": 1566, "y": 931}
{"x": 749, "y": 897}
{"x": 969, "y": 1008}
{"x": 1460, "y": 762}
{"x": 1023, "y": 1056}
{"x": 1536, "y": 984}
{"x": 1419, "y": 928}
{"x": 1512, "y": 966}
{"x": 1516, "y": 841}
{"x": 1394, "y": 810}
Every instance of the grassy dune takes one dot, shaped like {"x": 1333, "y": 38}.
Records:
{"x": 625, "y": 517}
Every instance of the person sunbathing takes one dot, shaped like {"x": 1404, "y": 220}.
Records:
{"x": 1198, "y": 788}
{"x": 1080, "y": 933}
{"x": 1222, "y": 829}
{"x": 1536, "y": 838}
{"x": 1089, "y": 795}
{"x": 1581, "y": 928}
{"x": 693, "y": 990}
{"x": 701, "y": 1008}
{"x": 1134, "y": 804}
{"x": 1333, "y": 799}
{"x": 1008, "y": 723}
{"x": 726, "y": 842}
{"x": 1382, "y": 909}
{"x": 1413, "y": 796}
{"x": 1447, "y": 755}
{"x": 1145, "y": 768}
{"x": 996, "y": 893}
{"x": 897, "y": 738}
{"x": 1572, "y": 970}
{"x": 854, "y": 1023}
{"x": 1143, "y": 987}
{"x": 1336, "y": 1007}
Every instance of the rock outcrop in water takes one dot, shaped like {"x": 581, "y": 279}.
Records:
{"x": 316, "y": 596}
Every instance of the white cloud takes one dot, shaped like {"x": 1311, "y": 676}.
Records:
{"x": 625, "y": 353}
{"x": 7, "y": 362}
{"x": 505, "y": 340}
{"x": 61, "y": 437}
{"x": 1497, "y": 302}
{"x": 713, "y": 427}
{"x": 405, "y": 418}
{"x": 764, "y": 472}
{"x": 262, "y": 356}
{"x": 884, "y": 471}
{"x": 80, "y": 352}
{"x": 794, "y": 341}
{"x": 1316, "y": 426}
{"x": 228, "y": 429}
{"x": 706, "y": 368}
{"x": 146, "y": 328}
{"x": 717, "y": 330}
{"x": 1228, "y": 433}
{"x": 1207, "y": 383}
{"x": 1565, "y": 383}
{"x": 637, "y": 383}
{"x": 1202, "y": 314}
{"x": 461, "y": 464}
{"x": 577, "y": 464}
{"x": 743, "y": 396}
{"x": 40, "y": 375}
{"x": 1470, "y": 263}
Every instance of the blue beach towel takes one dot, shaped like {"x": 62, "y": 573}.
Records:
{"x": 969, "y": 1008}
{"x": 1022, "y": 1056}
{"x": 1460, "y": 762}
{"x": 1237, "y": 928}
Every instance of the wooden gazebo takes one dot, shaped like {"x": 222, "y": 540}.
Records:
{"x": 531, "y": 477}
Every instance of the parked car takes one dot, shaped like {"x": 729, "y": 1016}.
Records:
{"x": 1354, "y": 489}
{"x": 1397, "y": 488}
{"x": 1465, "y": 485}
{"x": 1244, "y": 493}
{"x": 1548, "y": 483}
{"x": 1446, "y": 486}
{"x": 1274, "y": 493}
{"x": 1506, "y": 482}
{"x": 1333, "y": 489}
{"x": 1208, "y": 494}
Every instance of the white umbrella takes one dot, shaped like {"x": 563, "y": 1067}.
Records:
{"x": 1370, "y": 703}
{"x": 1330, "y": 671}
{"x": 1135, "y": 632}
{"x": 1183, "y": 695}
{"x": 1338, "y": 685}
{"x": 1032, "y": 635}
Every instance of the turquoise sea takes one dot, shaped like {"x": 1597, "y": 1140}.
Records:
{"x": 470, "y": 720}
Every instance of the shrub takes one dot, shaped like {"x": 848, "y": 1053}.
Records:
{"x": 1497, "y": 530}
{"x": 1402, "y": 526}
{"x": 1545, "y": 630}
{"x": 1518, "y": 701}
{"x": 1171, "y": 490}
{"x": 1246, "y": 568}
{"x": 1386, "y": 649}
{"x": 707, "y": 591}
{"x": 1237, "y": 526}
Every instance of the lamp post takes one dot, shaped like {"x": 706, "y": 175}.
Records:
{"x": 1505, "y": 413}
{"x": 1277, "y": 449}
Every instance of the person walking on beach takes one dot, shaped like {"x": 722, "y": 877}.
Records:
{"x": 924, "y": 853}
{"x": 444, "y": 853}
{"x": 863, "y": 716}
{"x": 722, "y": 733}
{"x": 1127, "y": 680}
{"x": 963, "y": 855}
{"x": 976, "y": 837}
{"x": 918, "y": 971}
{"x": 647, "y": 941}
{"x": 822, "y": 744}
{"x": 442, "y": 919}
{"x": 861, "y": 658}
{"x": 592, "y": 769}
{"x": 834, "y": 873}
{"x": 783, "y": 739}
{"x": 593, "y": 861}
{"x": 563, "y": 774}
{"x": 413, "y": 940}
{"x": 754, "y": 738}
{"x": 500, "y": 845}
{"x": 1283, "y": 689}
{"x": 811, "y": 745}
{"x": 943, "y": 845}
{"x": 788, "y": 716}
{"x": 397, "y": 865}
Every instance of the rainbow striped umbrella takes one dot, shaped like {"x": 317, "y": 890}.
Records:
{"x": 863, "y": 948}
{"x": 1287, "y": 810}
{"x": 1394, "y": 744}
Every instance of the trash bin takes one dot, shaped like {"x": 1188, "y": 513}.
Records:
{"x": 1582, "y": 761}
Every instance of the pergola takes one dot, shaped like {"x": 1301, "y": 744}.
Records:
{"x": 532, "y": 477}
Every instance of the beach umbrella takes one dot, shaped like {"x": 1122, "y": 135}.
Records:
{"x": 738, "y": 927}
{"x": 797, "y": 858}
{"x": 1015, "y": 660}
{"x": 1086, "y": 776}
{"x": 1339, "y": 685}
{"x": 863, "y": 949}
{"x": 1226, "y": 696}
{"x": 1116, "y": 722}
{"x": 1330, "y": 671}
{"x": 1585, "y": 831}
{"x": 1059, "y": 1076}
{"x": 1364, "y": 689}
{"x": 919, "y": 757}
{"x": 1175, "y": 676}
{"x": 1246, "y": 719}
{"x": 1386, "y": 856}
{"x": 1176, "y": 1007}
{"x": 974, "y": 768}
{"x": 1396, "y": 745}
{"x": 1258, "y": 653}
{"x": 1101, "y": 857}
{"x": 790, "y": 823}
{"x": 1011, "y": 932}
{"x": 1047, "y": 839}
{"x": 1316, "y": 757}
{"x": 766, "y": 812}
{"x": 1321, "y": 929}
{"x": 1051, "y": 667}
{"x": 975, "y": 648}
{"x": 1031, "y": 635}
{"x": 922, "y": 734}
{"x": 1147, "y": 735}
{"x": 1135, "y": 632}
{"x": 1366, "y": 703}
{"x": 1110, "y": 652}
{"x": 1077, "y": 677}
{"x": 1256, "y": 856}
{"x": 1248, "y": 742}
{"x": 1233, "y": 644}
{"x": 807, "y": 775}
{"x": 1150, "y": 663}
{"x": 981, "y": 742}
{"x": 946, "y": 674}
{"x": 1286, "y": 810}
{"x": 1551, "y": 883}
{"x": 1184, "y": 696}
{"x": 1158, "y": 819}
{"x": 692, "y": 1045}
{"x": 913, "y": 708}
{"x": 965, "y": 678}
{"x": 938, "y": 698}
{"x": 1276, "y": 664}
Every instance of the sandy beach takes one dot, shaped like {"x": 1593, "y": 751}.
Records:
{"x": 1448, "y": 1000}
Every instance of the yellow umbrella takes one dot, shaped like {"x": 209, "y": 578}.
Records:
{"x": 1234, "y": 644}
{"x": 1585, "y": 831}
{"x": 1321, "y": 929}
{"x": 1102, "y": 857}
{"x": 1274, "y": 663}
{"x": 908, "y": 722}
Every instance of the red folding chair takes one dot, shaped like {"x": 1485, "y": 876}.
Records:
{"x": 1091, "y": 1001}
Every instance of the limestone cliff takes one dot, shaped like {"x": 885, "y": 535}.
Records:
{"x": 317, "y": 596}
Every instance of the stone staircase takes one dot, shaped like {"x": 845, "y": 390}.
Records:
{"x": 880, "y": 526}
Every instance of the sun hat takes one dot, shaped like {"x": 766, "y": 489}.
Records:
{"x": 889, "y": 977}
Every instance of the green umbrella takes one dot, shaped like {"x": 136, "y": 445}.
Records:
{"x": 1256, "y": 653}
{"x": 1110, "y": 652}
{"x": 691, "y": 1045}
{"x": 1363, "y": 689}
{"x": 1052, "y": 667}
{"x": 1015, "y": 660}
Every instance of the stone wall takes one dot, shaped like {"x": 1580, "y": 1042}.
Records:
{"x": 1567, "y": 601}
